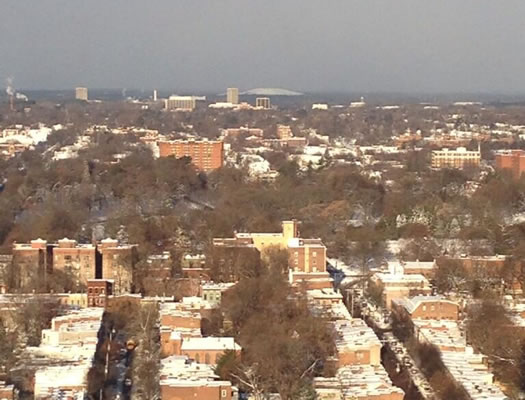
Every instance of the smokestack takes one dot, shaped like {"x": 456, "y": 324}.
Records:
{"x": 155, "y": 95}
{"x": 10, "y": 92}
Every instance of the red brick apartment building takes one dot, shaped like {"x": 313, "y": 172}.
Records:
{"x": 117, "y": 264}
{"x": 511, "y": 160}
{"x": 305, "y": 255}
{"x": 98, "y": 292}
{"x": 77, "y": 259}
{"x": 30, "y": 261}
{"x": 38, "y": 260}
{"x": 206, "y": 155}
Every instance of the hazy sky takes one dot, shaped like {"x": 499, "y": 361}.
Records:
{"x": 307, "y": 45}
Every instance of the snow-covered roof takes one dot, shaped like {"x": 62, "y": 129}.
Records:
{"x": 413, "y": 303}
{"x": 210, "y": 343}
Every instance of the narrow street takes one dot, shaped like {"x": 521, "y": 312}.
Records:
{"x": 394, "y": 356}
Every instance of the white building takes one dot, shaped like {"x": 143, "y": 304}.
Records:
{"x": 58, "y": 381}
{"x": 81, "y": 93}
{"x": 459, "y": 158}
{"x": 181, "y": 103}
{"x": 232, "y": 95}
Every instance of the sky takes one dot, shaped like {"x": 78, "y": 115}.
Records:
{"x": 407, "y": 46}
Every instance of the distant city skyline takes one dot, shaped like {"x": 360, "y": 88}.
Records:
{"x": 407, "y": 46}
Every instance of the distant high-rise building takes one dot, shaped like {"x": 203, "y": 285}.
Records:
{"x": 284, "y": 132}
{"x": 459, "y": 158}
{"x": 232, "y": 95}
{"x": 81, "y": 93}
{"x": 182, "y": 103}
{"x": 155, "y": 95}
{"x": 263, "y": 102}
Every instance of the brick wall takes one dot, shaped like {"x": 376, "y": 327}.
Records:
{"x": 181, "y": 392}
{"x": 436, "y": 310}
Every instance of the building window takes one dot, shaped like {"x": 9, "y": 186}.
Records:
{"x": 359, "y": 355}
{"x": 207, "y": 358}
{"x": 424, "y": 308}
{"x": 432, "y": 308}
{"x": 197, "y": 357}
{"x": 223, "y": 393}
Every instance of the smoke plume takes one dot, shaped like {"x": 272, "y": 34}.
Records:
{"x": 10, "y": 90}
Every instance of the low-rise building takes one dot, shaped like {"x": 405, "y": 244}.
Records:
{"x": 75, "y": 327}
{"x": 160, "y": 265}
{"x": 292, "y": 142}
{"x": 184, "y": 379}
{"x": 98, "y": 292}
{"x": 171, "y": 340}
{"x": 489, "y": 265}
{"x": 212, "y": 292}
{"x": 310, "y": 280}
{"x": 395, "y": 284}
{"x": 467, "y": 367}
{"x": 356, "y": 343}
{"x": 425, "y": 268}
{"x": 175, "y": 316}
{"x": 61, "y": 382}
{"x": 427, "y": 307}
{"x": 242, "y": 131}
{"x": 208, "y": 350}
{"x": 359, "y": 382}
{"x": 62, "y": 361}
{"x": 178, "y": 321}
{"x": 327, "y": 303}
